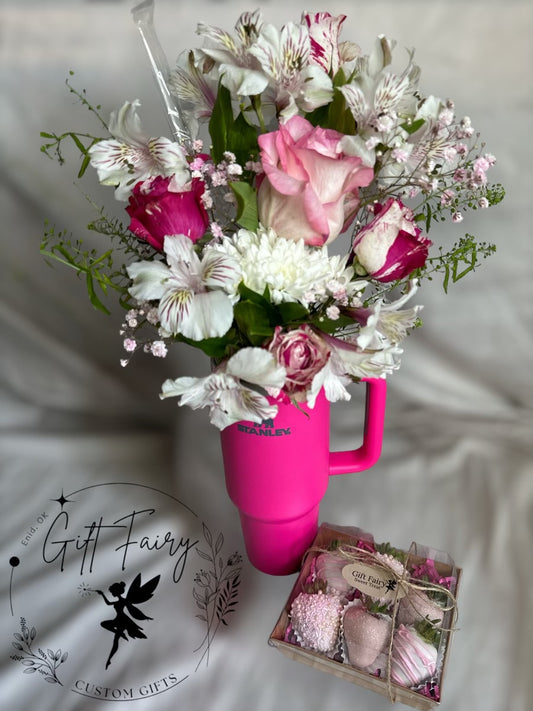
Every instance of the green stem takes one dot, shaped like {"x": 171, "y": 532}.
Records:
{"x": 256, "y": 104}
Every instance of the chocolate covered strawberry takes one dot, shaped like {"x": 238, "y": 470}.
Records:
{"x": 315, "y": 620}
{"x": 366, "y": 635}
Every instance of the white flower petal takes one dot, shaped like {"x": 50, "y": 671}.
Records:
{"x": 332, "y": 381}
{"x": 356, "y": 146}
{"x": 257, "y": 366}
{"x": 110, "y": 158}
{"x": 316, "y": 89}
{"x": 179, "y": 250}
{"x": 389, "y": 92}
{"x": 149, "y": 280}
{"x": 125, "y": 124}
{"x": 220, "y": 271}
{"x": 356, "y": 101}
{"x": 193, "y": 391}
{"x": 242, "y": 403}
{"x": 168, "y": 158}
{"x": 402, "y": 300}
{"x": 243, "y": 81}
{"x": 364, "y": 363}
{"x": 395, "y": 324}
{"x": 208, "y": 315}
{"x": 174, "y": 309}
{"x": 192, "y": 86}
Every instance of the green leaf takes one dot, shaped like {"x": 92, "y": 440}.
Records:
{"x": 428, "y": 217}
{"x": 330, "y": 326}
{"x": 446, "y": 280}
{"x": 229, "y": 134}
{"x": 334, "y": 115}
{"x": 262, "y": 299}
{"x": 340, "y": 118}
{"x": 253, "y": 321}
{"x": 213, "y": 347}
{"x": 84, "y": 165}
{"x": 242, "y": 139}
{"x": 95, "y": 301}
{"x": 79, "y": 144}
{"x": 290, "y": 312}
{"x": 220, "y": 123}
{"x": 246, "y": 197}
{"x": 413, "y": 126}
{"x": 340, "y": 78}
{"x": 318, "y": 117}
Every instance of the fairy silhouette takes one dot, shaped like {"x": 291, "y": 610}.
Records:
{"x": 122, "y": 626}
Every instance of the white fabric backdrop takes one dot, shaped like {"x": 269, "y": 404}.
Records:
{"x": 456, "y": 471}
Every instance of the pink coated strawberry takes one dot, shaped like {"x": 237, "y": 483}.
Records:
{"x": 315, "y": 620}
{"x": 417, "y": 606}
{"x": 366, "y": 635}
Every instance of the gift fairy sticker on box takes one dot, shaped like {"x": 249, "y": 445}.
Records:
{"x": 373, "y": 614}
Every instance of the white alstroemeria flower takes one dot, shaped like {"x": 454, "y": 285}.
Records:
{"x": 130, "y": 156}
{"x": 193, "y": 86}
{"x": 237, "y": 67}
{"x": 389, "y": 321}
{"x": 193, "y": 294}
{"x": 229, "y": 400}
{"x": 357, "y": 146}
{"x": 433, "y": 143}
{"x": 333, "y": 379}
{"x": 376, "y": 97}
{"x": 349, "y": 358}
{"x": 285, "y": 57}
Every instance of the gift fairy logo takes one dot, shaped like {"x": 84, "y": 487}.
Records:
{"x": 132, "y": 565}
{"x": 265, "y": 428}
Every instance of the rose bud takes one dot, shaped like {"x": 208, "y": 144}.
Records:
{"x": 391, "y": 246}
{"x": 157, "y": 211}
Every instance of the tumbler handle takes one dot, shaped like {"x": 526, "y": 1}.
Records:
{"x": 369, "y": 452}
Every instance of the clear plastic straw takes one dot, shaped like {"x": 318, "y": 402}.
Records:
{"x": 143, "y": 16}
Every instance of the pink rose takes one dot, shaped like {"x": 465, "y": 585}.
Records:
{"x": 156, "y": 211}
{"x": 302, "y": 353}
{"x": 310, "y": 188}
{"x": 391, "y": 246}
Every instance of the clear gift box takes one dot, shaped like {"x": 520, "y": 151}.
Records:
{"x": 374, "y": 615}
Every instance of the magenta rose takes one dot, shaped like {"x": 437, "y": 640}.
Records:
{"x": 391, "y": 246}
{"x": 310, "y": 187}
{"x": 157, "y": 211}
{"x": 302, "y": 353}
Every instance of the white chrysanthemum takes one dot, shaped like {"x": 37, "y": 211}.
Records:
{"x": 292, "y": 271}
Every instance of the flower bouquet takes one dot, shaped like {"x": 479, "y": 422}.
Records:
{"x": 228, "y": 239}
{"x": 282, "y": 140}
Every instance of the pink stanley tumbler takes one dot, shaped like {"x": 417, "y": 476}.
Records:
{"x": 277, "y": 473}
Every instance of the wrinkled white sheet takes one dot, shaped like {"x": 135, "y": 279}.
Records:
{"x": 456, "y": 471}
